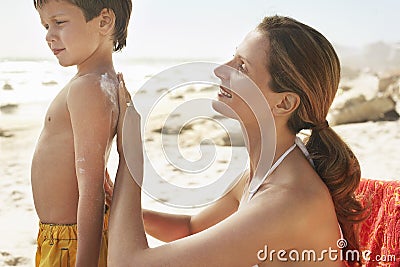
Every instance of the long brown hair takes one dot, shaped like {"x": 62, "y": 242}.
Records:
{"x": 301, "y": 60}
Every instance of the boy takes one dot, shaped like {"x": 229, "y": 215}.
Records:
{"x": 69, "y": 164}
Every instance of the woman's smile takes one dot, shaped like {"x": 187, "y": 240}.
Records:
{"x": 223, "y": 92}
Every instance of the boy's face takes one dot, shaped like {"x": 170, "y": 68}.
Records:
{"x": 71, "y": 39}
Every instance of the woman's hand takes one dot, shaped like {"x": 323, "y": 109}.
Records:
{"x": 124, "y": 99}
{"x": 129, "y": 141}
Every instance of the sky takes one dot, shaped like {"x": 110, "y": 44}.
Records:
{"x": 210, "y": 28}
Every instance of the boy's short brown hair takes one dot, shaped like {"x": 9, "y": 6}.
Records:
{"x": 92, "y": 8}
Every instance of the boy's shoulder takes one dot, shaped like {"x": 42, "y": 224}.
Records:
{"x": 94, "y": 82}
{"x": 93, "y": 86}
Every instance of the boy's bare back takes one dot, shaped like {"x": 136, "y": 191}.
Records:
{"x": 56, "y": 164}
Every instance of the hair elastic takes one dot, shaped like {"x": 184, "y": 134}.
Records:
{"x": 320, "y": 126}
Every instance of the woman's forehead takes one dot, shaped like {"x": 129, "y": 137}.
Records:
{"x": 254, "y": 48}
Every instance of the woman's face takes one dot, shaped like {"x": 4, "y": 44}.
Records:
{"x": 244, "y": 89}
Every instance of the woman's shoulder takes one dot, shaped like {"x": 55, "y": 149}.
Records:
{"x": 300, "y": 193}
{"x": 300, "y": 182}
{"x": 304, "y": 216}
{"x": 292, "y": 196}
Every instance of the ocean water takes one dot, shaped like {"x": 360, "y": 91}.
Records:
{"x": 38, "y": 81}
{"x": 28, "y": 86}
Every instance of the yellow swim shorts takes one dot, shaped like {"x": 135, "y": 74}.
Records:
{"x": 57, "y": 244}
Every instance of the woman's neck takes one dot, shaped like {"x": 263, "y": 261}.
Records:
{"x": 264, "y": 150}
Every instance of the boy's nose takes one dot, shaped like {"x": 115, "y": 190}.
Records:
{"x": 50, "y": 36}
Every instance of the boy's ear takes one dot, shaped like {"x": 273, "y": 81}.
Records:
{"x": 107, "y": 21}
{"x": 286, "y": 104}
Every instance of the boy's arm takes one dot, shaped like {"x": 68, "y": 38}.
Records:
{"x": 91, "y": 119}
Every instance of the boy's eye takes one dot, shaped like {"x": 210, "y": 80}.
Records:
{"x": 46, "y": 26}
{"x": 60, "y": 22}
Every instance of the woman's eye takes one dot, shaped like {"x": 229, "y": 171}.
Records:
{"x": 242, "y": 67}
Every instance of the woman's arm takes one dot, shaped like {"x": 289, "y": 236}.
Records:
{"x": 233, "y": 242}
{"x": 126, "y": 200}
{"x": 165, "y": 226}
{"x": 169, "y": 227}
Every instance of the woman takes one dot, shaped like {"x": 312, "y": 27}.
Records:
{"x": 306, "y": 203}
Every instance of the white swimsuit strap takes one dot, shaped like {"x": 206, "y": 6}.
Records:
{"x": 274, "y": 166}
{"x": 303, "y": 149}
{"x": 300, "y": 144}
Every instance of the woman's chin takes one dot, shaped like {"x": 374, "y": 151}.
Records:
{"x": 224, "y": 109}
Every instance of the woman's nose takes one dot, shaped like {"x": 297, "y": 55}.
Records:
{"x": 223, "y": 71}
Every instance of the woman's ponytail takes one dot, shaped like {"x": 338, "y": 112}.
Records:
{"x": 338, "y": 167}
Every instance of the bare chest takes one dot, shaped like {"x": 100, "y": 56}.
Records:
{"x": 57, "y": 119}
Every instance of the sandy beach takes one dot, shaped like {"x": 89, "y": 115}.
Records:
{"x": 375, "y": 143}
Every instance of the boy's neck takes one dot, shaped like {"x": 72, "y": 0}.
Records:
{"x": 99, "y": 62}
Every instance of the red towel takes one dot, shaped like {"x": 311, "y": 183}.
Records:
{"x": 380, "y": 233}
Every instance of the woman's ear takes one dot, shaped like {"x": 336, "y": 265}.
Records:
{"x": 288, "y": 102}
{"x": 107, "y": 21}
